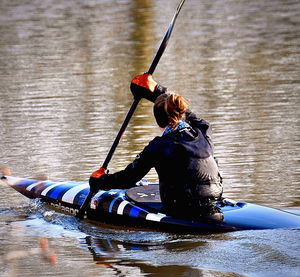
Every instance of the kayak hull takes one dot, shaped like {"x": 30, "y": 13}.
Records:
{"x": 114, "y": 207}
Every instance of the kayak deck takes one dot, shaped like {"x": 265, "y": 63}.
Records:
{"x": 146, "y": 196}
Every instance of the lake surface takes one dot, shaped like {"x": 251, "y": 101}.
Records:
{"x": 65, "y": 71}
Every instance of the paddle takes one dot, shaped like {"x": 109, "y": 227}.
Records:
{"x": 133, "y": 106}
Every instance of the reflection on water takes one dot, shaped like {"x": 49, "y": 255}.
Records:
{"x": 204, "y": 252}
{"x": 65, "y": 70}
{"x": 105, "y": 251}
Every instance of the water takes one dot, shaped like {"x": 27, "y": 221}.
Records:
{"x": 65, "y": 70}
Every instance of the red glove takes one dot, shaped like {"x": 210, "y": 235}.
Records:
{"x": 96, "y": 180}
{"x": 146, "y": 81}
{"x": 143, "y": 86}
{"x": 98, "y": 173}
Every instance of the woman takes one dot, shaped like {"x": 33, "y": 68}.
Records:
{"x": 189, "y": 178}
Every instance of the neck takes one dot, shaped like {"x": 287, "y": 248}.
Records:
{"x": 181, "y": 125}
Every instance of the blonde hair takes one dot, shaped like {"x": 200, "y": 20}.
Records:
{"x": 169, "y": 109}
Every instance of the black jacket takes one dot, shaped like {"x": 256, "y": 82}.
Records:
{"x": 188, "y": 173}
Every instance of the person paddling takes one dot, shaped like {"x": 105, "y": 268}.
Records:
{"x": 189, "y": 179}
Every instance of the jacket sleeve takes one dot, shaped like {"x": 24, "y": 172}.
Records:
{"x": 201, "y": 124}
{"x": 160, "y": 90}
{"x": 134, "y": 172}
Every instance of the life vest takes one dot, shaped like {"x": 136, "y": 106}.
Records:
{"x": 199, "y": 181}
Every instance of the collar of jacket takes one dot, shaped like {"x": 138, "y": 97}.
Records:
{"x": 181, "y": 125}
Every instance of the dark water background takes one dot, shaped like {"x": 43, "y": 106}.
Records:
{"x": 65, "y": 70}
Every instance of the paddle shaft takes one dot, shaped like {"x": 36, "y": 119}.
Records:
{"x": 135, "y": 102}
{"x": 165, "y": 41}
{"x": 120, "y": 133}
{"x": 133, "y": 106}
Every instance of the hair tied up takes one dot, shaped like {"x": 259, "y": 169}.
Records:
{"x": 169, "y": 109}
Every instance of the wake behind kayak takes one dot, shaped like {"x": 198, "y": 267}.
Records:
{"x": 141, "y": 207}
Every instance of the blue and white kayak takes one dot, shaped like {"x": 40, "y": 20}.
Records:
{"x": 133, "y": 208}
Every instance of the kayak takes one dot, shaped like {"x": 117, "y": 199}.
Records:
{"x": 141, "y": 207}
